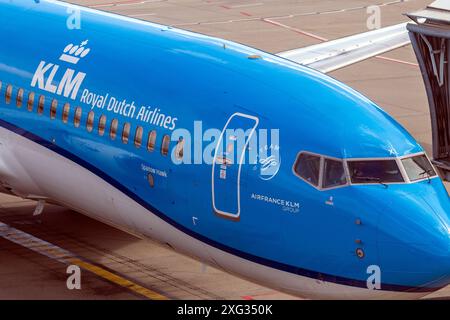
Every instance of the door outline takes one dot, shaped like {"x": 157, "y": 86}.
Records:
{"x": 228, "y": 215}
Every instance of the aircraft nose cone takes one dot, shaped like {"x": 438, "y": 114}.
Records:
{"x": 414, "y": 240}
{"x": 416, "y": 265}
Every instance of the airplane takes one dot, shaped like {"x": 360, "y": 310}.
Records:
{"x": 165, "y": 133}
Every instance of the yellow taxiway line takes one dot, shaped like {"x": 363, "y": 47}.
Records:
{"x": 66, "y": 257}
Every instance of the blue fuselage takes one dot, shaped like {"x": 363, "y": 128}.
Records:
{"x": 164, "y": 79}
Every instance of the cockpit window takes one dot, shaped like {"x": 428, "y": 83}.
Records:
{"x": 374, "y": 171}
{"x": 308, "y": 167}
{"x": 333, "y": 174}
{"x": 418, "y": 167}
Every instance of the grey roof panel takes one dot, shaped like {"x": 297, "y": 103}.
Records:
{"x": 437, "y": 12}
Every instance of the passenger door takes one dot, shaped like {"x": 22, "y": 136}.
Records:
{"x": 229, "y": 156}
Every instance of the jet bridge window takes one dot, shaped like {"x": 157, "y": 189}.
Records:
{"x": 333, "y": 174}
{"x": 418, "y": 167}
{"x": 8, "y": 94}
{"x": 374, "y": 171}
{"x": 19, "y": 99}
{"x": 308, "y": 168}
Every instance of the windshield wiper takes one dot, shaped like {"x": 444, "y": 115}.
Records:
{"x": 428, "y": 173}
{"x": 375, "y": 179}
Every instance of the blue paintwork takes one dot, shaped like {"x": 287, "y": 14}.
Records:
{"x": 193, "y": 77}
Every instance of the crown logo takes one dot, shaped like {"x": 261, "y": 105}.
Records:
{"x": 73, "y": 54}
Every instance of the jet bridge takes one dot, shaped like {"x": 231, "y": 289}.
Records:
{"x": 430, "y": 38}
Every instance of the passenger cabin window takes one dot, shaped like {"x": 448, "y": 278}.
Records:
{"x": 125, "y": 132}
{"x": 333, "y": 174}
{"x": 151, "y": 180}
{"x": 8, "y": 94}
{"x": 418, "y": 167}
{"x": 165, "y": 145}
{"x": 19, "y": 99}
{"x": 77, "y": 117}
{"x": 113, "y": 129}
{"x": 151, "y": 140}
{"x": 374, "y": 171}
{"x": 53, "y": 109}
{"x": 30, "y": 103}
{"x": 308, "y": 168}
{"x": 66, "y": 111}
{"x": 179, "y": 149}
{"x": 138, "y": 137}
{"x": 41, "y": 105}
{"x": 90, "y": 121}
{"x": 101, "y": 125}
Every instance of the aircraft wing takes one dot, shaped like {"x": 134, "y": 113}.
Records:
{"x": 332, "y": 55}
